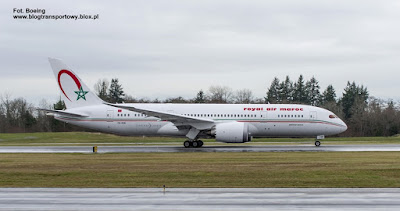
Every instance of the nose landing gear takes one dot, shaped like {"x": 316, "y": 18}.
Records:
{"x": 317, "y": 141}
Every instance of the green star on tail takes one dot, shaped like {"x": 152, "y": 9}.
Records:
{"x": 81, "y": 94}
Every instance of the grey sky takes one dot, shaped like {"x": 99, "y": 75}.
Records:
{"x": 175, "y": 48}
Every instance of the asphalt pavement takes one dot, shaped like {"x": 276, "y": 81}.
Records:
{"x": 212, "y": 148}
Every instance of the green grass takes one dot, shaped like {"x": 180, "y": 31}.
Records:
{"x": 82, "y": 138}
{"x": 272, "y": 169}
{"x": 77, "y": 138}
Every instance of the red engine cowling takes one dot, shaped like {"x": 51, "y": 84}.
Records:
{"x": 232, "y": 132}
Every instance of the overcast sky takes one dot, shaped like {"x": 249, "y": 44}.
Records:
{"x": 175, "y": 48}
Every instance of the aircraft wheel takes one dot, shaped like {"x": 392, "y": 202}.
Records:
{"x": 195, "y": 144}
{"x": 201, "y": 143}
{"x": 317, "y": 143}
{"x": 187, "y": 144}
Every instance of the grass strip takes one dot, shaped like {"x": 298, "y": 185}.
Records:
{"x": 228, "y": 169}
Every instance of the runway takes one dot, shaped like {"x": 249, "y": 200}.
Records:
{"x": 198, "y": 199}
{"x": 224, "y": 148}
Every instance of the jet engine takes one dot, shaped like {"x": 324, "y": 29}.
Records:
{"x": 232, "y": 132}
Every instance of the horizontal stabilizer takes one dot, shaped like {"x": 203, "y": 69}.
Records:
{"x": 62, "y": 113}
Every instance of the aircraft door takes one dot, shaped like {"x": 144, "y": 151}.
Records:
{"x": 313, "y": 115}
{"x": 263, "y": 114}
{"x": 110, "y": 115}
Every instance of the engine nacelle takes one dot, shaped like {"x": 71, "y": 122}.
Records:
{"x": 232, "y": 132}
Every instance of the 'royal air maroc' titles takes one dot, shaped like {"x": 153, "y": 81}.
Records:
{"x": 272, "y": 109}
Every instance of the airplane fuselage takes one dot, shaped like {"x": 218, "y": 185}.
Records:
{"x": 263, "y": 120}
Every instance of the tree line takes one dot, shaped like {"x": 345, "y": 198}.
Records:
{"x": 364, "y": 114}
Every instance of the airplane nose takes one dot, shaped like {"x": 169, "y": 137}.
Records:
{"x": 344, "y": 126}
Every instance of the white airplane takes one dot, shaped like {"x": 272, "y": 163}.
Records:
{"x": 229, "y": 123}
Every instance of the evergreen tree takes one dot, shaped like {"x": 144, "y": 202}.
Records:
{"x": 115, "y": 93}
{"x": 200, "y": 98}
{"x": 59, "y": 105}
{"x": 286, "y": 91}
{"x": 312, "y": 92}
{"x": 353, "y": 96}
{"x": 300, "y": 95}
{"x": 329, "y": 95}
{"x": 273, "y": 93}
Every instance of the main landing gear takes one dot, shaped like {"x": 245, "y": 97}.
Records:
{"x": 193, "y": 143}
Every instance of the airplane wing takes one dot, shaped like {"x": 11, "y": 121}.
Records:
{"x": 62, "y": 113}
{"x": 177, "y": 119}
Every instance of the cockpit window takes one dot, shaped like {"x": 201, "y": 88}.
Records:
{"x": 332, "y": 116}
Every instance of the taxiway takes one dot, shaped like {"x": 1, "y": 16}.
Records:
{"x": 198, "y": 199}
{"x": 224, "y": 148}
